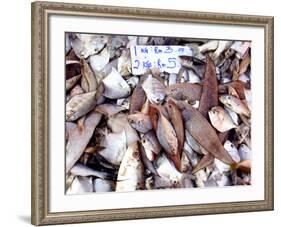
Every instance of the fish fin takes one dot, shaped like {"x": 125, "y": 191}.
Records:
{"x": 207, "y": 160}
{"x": 80, "y": 124}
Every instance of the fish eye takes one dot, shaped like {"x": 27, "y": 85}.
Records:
{"x": 170, "y": 106}
{"x": 232, "y": 146}
{"x": 157, "y": 99}
{"x": 228, "y": 97}
{"x": 143, "y": 141}
{"x": 135, "y": 154}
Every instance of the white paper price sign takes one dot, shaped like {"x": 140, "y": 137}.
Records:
{"x": 164, "y": 58}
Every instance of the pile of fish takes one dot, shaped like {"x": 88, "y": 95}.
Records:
{"x": 157, "y": 130}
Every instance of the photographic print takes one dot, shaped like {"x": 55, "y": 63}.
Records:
{"x": 155, "y": 113}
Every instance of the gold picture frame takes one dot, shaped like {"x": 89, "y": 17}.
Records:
{"x": 40, "y": 190}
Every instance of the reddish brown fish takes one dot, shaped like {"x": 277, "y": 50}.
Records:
{"x": 138, "y": 98}
{"x": 204, "y": 133}
{"x": 177, "y": 122}
{"x": 209, "y": 97}
{"x": 184, "y": 91}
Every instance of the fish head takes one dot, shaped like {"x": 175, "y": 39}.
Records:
{"x": 216, "y": 113}
{"x": 226, "y": 100}
{"x": 134, "y": 153}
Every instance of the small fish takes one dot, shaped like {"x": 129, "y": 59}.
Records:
{"x": 177, "y": 122}
{"x": 80, "y": 185}
{"x": 220, "y": 119}
{"x": 131, "y": 171}
{"x": 71, "y": 82}
{"x": 79, "y": 105}
{"x": 88, "y": 81}
{"x": 115, "y": 86}
{"x": 166, "y": 135}
{"x": 184, "y": 91}
{"x": 209, "y": 97}
{"x": 239, "y": 87}
{"x": 244, "y": 64}
{"x": 115, "y": 147}
{"x": 154, "y": 89}
{"x": 138, "y": 98}
{"x": 235, "y": 104}
{"x": 141, "y": 122}
{"x": 78, "y": 141}
{"x": 151, "y": 145}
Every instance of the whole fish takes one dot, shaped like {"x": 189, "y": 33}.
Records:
{"x": 166, "y": 135}
{"x": 220, "y": 119}
{"x": 115, "y": 87}
{"x": 184, "y": 91}
{"x": 151, "y": 145}
{"x": 88, "y": 81}
{"x": 235, "y": 104}
{"x": 203, "y": 133}
{"x": 167, "y": 138}
{"x": 77, "y": 141}
{"x": 177, "y": 122}
{"x": 71, "y": 82}
{"x": 138, "y": 98}
{"x": 141, "y": 122}
{"x": 131, "y": 171}
{"x": 79, "y": 105}
{"x": 209, "y": 97}
{"x": 154, "y": 89}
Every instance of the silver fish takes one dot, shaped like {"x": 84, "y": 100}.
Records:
{"x": 131, "y": 171}
{"x": 154, "y": 89}
{"x": 115, "y": 86}
{"x": 151, "y": 145}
